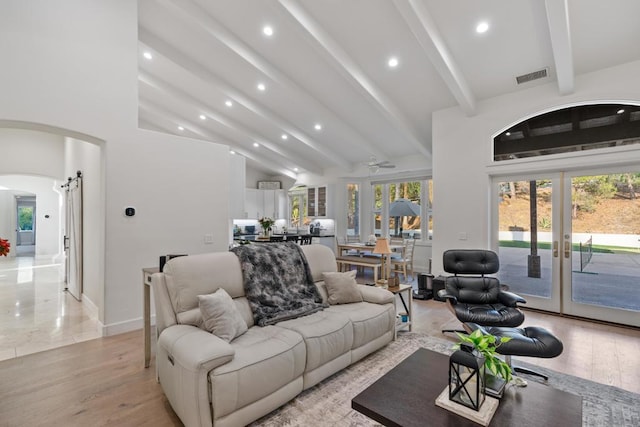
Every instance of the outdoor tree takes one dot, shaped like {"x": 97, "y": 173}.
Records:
{"x": 25, "y": 218}
{"x": 588, "y": 191}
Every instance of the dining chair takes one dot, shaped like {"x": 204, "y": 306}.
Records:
{"x": 396, "y": 240}
{"x": 305, "y": 239}
{"x": 404, "y": 262}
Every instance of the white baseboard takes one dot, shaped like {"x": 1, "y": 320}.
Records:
{"x": 90, "y": 306}
{"x": 113, "y": 328}
{"x": 126, "y": 326}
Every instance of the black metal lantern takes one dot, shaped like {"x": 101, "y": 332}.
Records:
{"x": 466, "y": 378}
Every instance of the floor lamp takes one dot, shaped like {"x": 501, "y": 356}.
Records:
{"x": 382, "y": 248}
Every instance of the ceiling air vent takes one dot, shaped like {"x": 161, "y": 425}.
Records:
{"x": 532, "y": 76}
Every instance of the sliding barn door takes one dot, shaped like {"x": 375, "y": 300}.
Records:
{"x": 73, "y": 236}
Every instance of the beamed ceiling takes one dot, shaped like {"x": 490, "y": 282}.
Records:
{"x": 330, "y": 100}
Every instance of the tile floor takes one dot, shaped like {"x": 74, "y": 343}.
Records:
{"x": 36, "y": 314}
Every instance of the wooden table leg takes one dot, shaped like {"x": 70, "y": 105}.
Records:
{"x": 147, "y": 321}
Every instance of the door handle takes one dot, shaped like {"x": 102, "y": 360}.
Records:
{"x": 555, "y": 249}
{"x": 567, "y": 249}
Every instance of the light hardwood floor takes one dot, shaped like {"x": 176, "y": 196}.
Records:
{"x": 103, "y": 381}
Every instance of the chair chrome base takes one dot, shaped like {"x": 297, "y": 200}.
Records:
{"x": 524, "y": 370}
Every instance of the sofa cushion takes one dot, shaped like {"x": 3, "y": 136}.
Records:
{"x": 194, "y": 316}
{"x": 266, "y": 359}
{"x": 326, "y": 336}
{"x": 220, "y": 315}
{"x": 369, "y": 321}
{"x": 189, "y": 276}
{"x": 342, "y": 288}
{"x": 321, "y": 259}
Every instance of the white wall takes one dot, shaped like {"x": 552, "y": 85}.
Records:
{"x": 30, "y": 162}
{"x": 71, "y": 65}
{"x": 29, "y": 152}
{"x": 462, "y": 152}
{"x": 253, "y": 176}
{"x": 48, "y": 241}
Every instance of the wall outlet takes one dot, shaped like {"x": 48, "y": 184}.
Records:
{"x": 208, "y": 239}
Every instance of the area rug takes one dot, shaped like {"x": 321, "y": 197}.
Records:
{"x": 329, "y": 402}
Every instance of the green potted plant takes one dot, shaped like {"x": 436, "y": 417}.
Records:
{"x": 266, "y": 224}
{"x": 486, "y": 346}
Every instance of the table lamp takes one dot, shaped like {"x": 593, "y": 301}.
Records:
{"x": 382, "y": 248}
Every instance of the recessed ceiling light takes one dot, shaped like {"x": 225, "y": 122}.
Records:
{"x": 620, "y": 111}
{"x": 261, "y": 87}
{"x": 482, "y": 27}
{"x": 284, "y": 136}
{"x": 255, "y": 144}
{"x": 203, "y": 117}
{"x": 232, "y": 152}
{"x": 147, "y": 55}
{"x": 267, "y": 30}
{"x": 318, "y": 126}
{"x": 393, "y": 62}
{"x": 295, "y": 169}
{"x": 180, "y": 128}
{"x": 228, "y": 103}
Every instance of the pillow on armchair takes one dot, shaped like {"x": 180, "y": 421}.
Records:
{"x": 220, "y": 315}
{"x": 342, "y": 288}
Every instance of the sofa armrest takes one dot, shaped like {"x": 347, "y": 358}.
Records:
{"x": 376, "y": 295}
{"x": 184, "y": 357}
{"x": 195, "y": 349}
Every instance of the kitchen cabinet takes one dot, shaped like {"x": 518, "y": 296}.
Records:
{"x": 317, "y": 201}
{"x": 261, "y": 203}
{"x": 253, "y": 203}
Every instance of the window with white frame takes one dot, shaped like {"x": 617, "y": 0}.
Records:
{"x": 403, "y": 208}
{"x": 353, "y": 210}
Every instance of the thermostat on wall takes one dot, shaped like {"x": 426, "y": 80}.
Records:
{"x": 129, "y": 211}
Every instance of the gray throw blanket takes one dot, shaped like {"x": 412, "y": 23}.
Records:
{"x": 277, "y": 282}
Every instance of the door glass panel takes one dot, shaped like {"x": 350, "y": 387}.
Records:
{"x": 525, "y": 239}
{"x": 605, "y": 235}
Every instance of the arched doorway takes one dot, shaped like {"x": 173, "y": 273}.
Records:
{"x": 34, "y": 150}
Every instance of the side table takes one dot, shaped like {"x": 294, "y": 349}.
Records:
{"x": 399, "y": 290}
{"x": 146, "y": 311}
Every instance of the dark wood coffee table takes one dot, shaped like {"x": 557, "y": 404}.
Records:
{"x": 406, "y": 395}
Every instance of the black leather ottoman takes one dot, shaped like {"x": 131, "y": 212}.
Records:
{"x": 531, "y": 341}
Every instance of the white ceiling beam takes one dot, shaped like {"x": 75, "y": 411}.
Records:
{"x": 197, "y": 15}
{"x": 558, "y": 19}
{"x": 426, "y": 32}
{"x": 208, "y": 77}
{"x": 354, "y": 74}
{"x": 245, "y": 133}
{"x": 164, "y": 117}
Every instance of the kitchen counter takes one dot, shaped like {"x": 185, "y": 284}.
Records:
{"x": 252, "y": 237}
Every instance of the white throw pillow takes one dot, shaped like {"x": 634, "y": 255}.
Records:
{"x": 220, "y": 315}
{"x": 342, "y": 288}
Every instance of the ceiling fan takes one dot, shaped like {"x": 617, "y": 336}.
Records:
{"x": 374, "y": 165}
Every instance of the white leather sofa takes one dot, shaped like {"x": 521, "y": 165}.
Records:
{"x": 211, "y": 382}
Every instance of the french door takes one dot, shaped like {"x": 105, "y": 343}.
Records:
{"x": 568, "y": 242}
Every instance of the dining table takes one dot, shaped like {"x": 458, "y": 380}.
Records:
{"x": 363, "y": 248}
